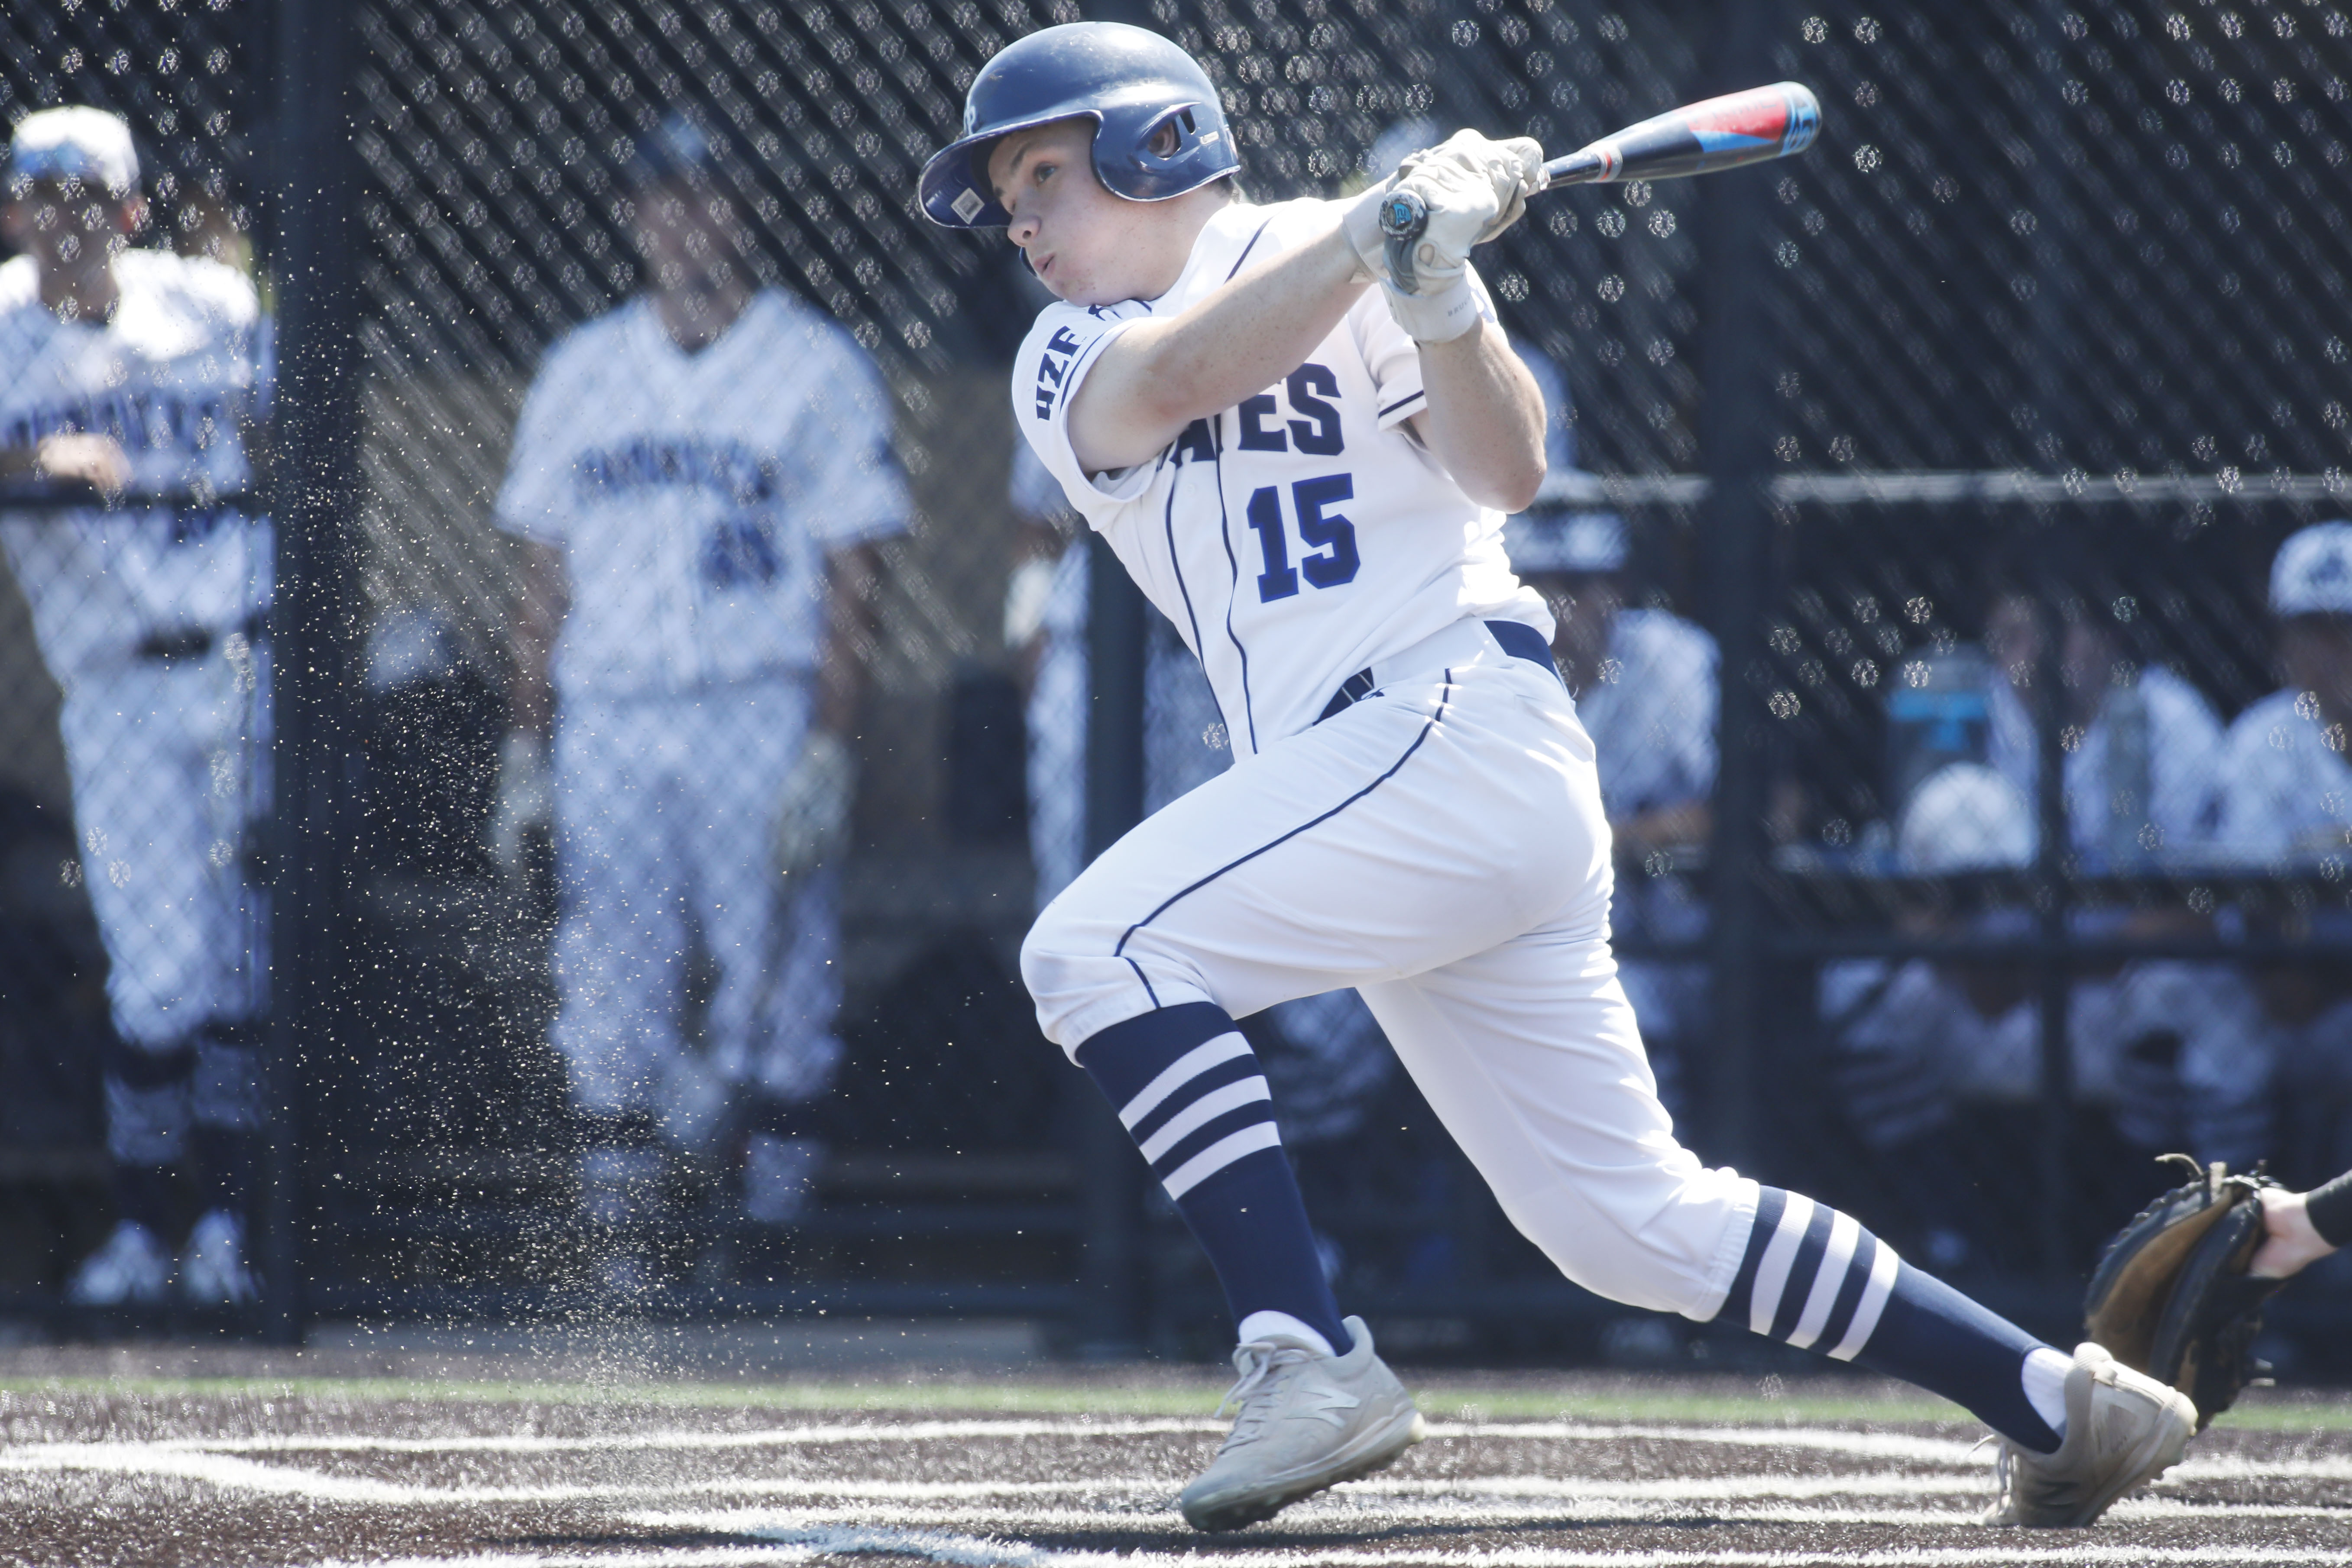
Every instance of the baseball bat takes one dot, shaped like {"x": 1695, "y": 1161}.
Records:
{"x": 1725, "y": 132}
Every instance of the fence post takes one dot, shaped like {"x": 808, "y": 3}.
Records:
{"x": 1736, "y": 451}
{"x": 312, "y": 483}
{"x": 2053, "y": 973}
{"x": 1112, "y": 1316}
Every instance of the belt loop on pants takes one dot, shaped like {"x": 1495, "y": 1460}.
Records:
{"x": 1459, "y": 643}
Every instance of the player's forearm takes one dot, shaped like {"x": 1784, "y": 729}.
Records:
{"x": 541, "y": 600}
{"x": 1161, "y": 375}
{"x": 851, "y": 620}
{"x": 1486, "y": 418}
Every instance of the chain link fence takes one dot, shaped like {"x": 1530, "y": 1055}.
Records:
{"x": 1915, "y": 512}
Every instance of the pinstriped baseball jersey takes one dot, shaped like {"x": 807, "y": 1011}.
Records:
{"x": 1299, "y": 536}
{"x": 695, "y": 495}
{"x": 168, "y": 376}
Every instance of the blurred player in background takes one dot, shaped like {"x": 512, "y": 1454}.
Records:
{"x": 700, "y": 477}
{"x": 2155, "y": 1036}
{"x": 2284, "y": 807}
{"x": 1644, "y": 684}
{"x": 131, "y": 374}
{"x": 2141, "y": 769}
{"x": 1923, "y": 1043}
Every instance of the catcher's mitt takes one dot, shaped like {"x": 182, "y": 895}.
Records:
{"x": 2172, "y": 1297}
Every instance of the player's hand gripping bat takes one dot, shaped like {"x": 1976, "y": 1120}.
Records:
{"x": 1696, "y": 139}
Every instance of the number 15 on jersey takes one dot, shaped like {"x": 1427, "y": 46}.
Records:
{"x": 1329, "y": 537}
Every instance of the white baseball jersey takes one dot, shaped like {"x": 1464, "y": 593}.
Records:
{"x": 2285, "y": 788}
{"x": 168, "y": 376}
{"x": 1299, "y": 536}
{"x": 696, "y": 495}
{"x": 2184, "y": 748}
{"x": 1651, "y": 714}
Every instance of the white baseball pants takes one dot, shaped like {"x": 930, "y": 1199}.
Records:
{"x": 665, "y": 808}
{"x": 169, "y": 766}
{"x": 1441, "y": 846}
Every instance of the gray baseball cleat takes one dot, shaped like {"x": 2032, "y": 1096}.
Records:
{"x": 1304, "y": 1421}
{"x": 2122, "y": 1428}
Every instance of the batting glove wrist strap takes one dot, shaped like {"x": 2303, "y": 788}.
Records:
{"x": 1445, "y": 307}
{"x": 1361, "y": 225}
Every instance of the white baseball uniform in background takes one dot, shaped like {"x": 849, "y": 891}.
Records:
{"x": 148, "y": 616}
{"x": 695, "y": 497}
{"x": 2284, "y": 791}
{"x": 1439, "y": 845}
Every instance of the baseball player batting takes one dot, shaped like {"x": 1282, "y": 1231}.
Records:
{"x": 1306, "y": 468}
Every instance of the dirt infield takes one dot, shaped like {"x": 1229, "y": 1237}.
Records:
{"x": 270, "y": 1471}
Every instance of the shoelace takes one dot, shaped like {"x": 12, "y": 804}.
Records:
{"x": 2004, "y": 1493}
{"x": 1251, "y": 1397}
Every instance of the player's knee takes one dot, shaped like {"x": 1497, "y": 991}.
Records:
{"x": 1075, "y": 976}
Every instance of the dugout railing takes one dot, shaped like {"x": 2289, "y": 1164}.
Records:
{"x": 2053, "y": 296}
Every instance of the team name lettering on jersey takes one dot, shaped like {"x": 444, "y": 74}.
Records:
{"x": 139, "y": 420}
{"x": 727, "y": 468}
{"x": 1051, "y": 370}
{"x": 1318, "y": 433}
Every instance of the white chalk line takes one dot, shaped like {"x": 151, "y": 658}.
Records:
{"x": 997, "y": 1554}
{"x": 801, "y": 1543}
{"x": 1866, "y": 1445}
{"x": 218, "y": 1464}
{"x": 1356, "y": 1513}
{"x": 1502, "y": 1500}
{"x": 686, "y": 1438}
{"x": 969, "y": 1551}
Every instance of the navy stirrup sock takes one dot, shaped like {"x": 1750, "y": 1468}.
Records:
{"x": 1815, "y": 1279}
{"x": 1188, "y": 1089}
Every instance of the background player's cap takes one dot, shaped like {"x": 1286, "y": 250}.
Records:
{"x": 1132, "y": 83}
{"x": 73, "y": 144}
{"x": 1565, "y": 542}
{"x": 677, "y": 149}
{"x": 2311, "y": 575}
{"x": 1964, "y": 817}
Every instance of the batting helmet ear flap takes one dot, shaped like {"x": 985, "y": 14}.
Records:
{"x": 1135, "y": 86}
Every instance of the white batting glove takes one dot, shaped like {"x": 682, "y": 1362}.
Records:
{"x": 812, "y": 808}
{"x": 1512, "y": 168}
{"x": 1473, "y": 188}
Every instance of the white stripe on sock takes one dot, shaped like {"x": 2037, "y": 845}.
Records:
{"x": 1179, "y": 1072}
{"x": 1873, "y": 1302}
{"x": 1780, "y": 1256}
{"x": 1219, "y": 1154}
{"x": 1828, "y": 1280}
{"x": 1202, "y": 1112}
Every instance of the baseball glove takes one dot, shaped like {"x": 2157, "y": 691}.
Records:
{"x": 2172, "y": 1297}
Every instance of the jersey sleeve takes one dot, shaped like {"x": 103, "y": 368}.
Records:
{"x": 2185, "y": 758}
{"x": 854, "y": 490}
{"x": 533, "y": 501}
{"x": 1061, "y": 348}
{"x": 1394, "y": 358}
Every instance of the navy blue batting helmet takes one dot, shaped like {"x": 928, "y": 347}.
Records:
{"x": 1132, "y": 83}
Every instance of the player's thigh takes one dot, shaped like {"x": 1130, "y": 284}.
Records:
{"x": 140, "y": 761}
{"x": 1530, "y": 1055}
{"x": 1404, "y": 833}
